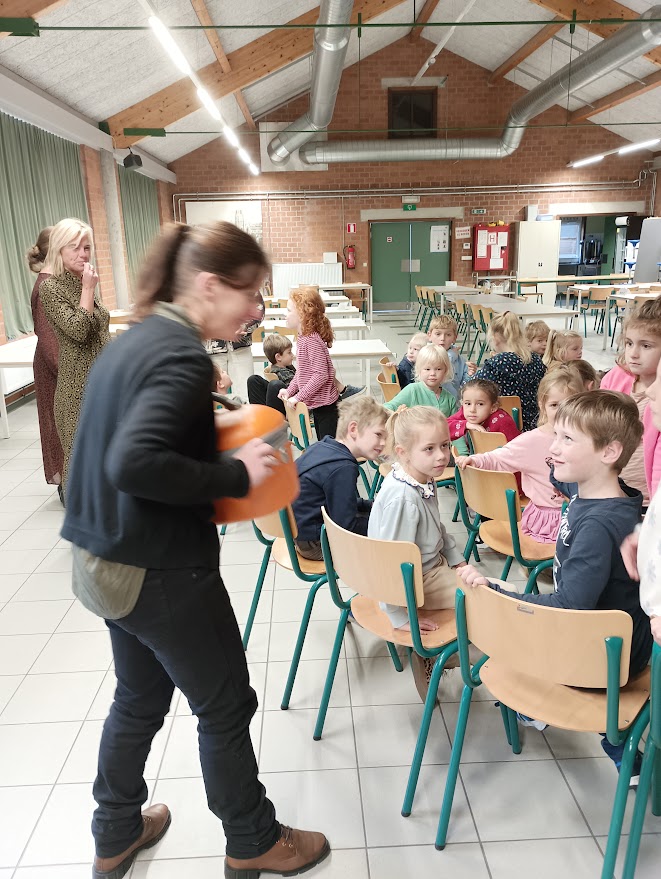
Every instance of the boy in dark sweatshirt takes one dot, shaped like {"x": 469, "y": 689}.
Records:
{"x": 596, "y": 433}
{"x": 328, "y": 472}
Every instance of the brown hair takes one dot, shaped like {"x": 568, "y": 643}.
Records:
{"x": 36, "y": 255}
{"x": 645, "y": 316}
{"x": 508, "y": 326}
{"x": 606, "y": 417}
{"x": 274, "y": 344}
{"x": 562, "y": 376}
{"x": 365, "y": 411}
{"x": 587, "y": 373}
{"x": 220, "y": 248}
{"x": 557, "y": 344}
{"x": 537, "y": 328}
{"x": 487, "y": 387}
{"x": 443, "y": 322}
{"x": 312, "y": 312}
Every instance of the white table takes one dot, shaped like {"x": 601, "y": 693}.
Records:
{"x": 354, "y": 285}
{"x": 336, "y": 311}
{"x": 629, "y": 298}
{"x": 14, "y": 355}
{"x": 344, "y": 349}
{"x": 339, "y": 325}
{"x": 328, "y": 298}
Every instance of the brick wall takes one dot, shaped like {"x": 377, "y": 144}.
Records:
{"x": 96, "y": 205}
{"x": 300, "y": 229}
{"x": 164, "y": 191}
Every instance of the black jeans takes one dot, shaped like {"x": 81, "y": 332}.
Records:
{"x": 265, "y": 393}
{"x": 325, "y": 420}
{"x": 182, "y": 632}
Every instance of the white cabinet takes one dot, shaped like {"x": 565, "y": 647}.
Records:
{"x": 538, "y": 253}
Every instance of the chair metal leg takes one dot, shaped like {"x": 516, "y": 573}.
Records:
{"x": 453, "y": 768}
{"x": 506, "y": 569}
{"x": 330, "y": 676}
{"x": 514, "y": 731}
{"x": 256, "y": 596}
{"x": 223, "y": 530}
{"x": 656, "y": 786}
{"x": 506, "y": 723}
{"x": 394, "y": 655}
{"x": 366, "y": 482}
{"x": 300, "y": 641}
{"x": 638, "y": 817}
{"x": 455, "y": 515}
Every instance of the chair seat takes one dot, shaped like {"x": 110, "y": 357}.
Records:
{"x": 497, "y": 535}
{"x": 370, "y": 616}
{"x": 561, "y": 706}
{"x": 280, "y": 554}
{"x": 446, "y": 476}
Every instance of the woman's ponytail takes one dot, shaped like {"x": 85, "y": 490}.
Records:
{"x": 156, "y": 280}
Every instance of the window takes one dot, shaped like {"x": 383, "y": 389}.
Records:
{"x": 412, "y": 113}
{"x": 571, "y": 233}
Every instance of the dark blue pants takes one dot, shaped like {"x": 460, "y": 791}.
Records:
{"x": 182, "y": 632}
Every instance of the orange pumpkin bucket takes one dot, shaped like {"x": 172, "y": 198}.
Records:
{"x": 280, "y": 488}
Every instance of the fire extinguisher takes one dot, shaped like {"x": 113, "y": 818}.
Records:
{"x": 349, "y": 253}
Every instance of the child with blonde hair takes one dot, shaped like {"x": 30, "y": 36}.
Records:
{"x": 432, "y": 369}
{"x": 406, "y": 508}
{"x": 528, "y": 453}
{"x": 405, "y": 367}
{"x": 314, "y": 383}
{"x": 537, "y": 335}
{"x": 514, "y": 367}
{"x": 443, "y": 332}
{"x": 633, "y": 375}
{"x": 563, "y": 346}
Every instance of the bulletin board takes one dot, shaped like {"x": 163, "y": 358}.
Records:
{"x": 491, "y": 248}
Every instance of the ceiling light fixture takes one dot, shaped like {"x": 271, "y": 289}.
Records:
{"x": 591, "y": 161}
{"x": 209, "y": 104}
{"x": 243, "y": 155}
{"x": 643, "y": 145}
{"x": 254, "y": 169}
{"x": 167, "y": 41}
{"x": 231, "y": 137}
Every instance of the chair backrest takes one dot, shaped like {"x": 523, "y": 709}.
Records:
{"x": 300, "y": 427}
{"x": 390, "y": 389}
{"x": 509, "y": 404}
{"x": 272, "y": 524}
{"x": 483, "y": 441}
{"x": 372, "y": 567}
{"x": 284, "y": 331}
{"x": 485, "y": 316}
{"x": 484, "y": 491}
{"x": 258, "y": 334}
{"x": 389, "y": 373}
{"x": 475, "y": 311}
{"x": 282, "y": 303}
{"x": 561, "y": 646}
{"x": 598, "y": 295}
{"x": 268, "y": 375}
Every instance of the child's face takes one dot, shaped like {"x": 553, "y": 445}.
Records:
{"x": 293, "y": 320}
{"x": 444, "y": 338}
{"x": 370, "y": 442}
{"x": 428, "y": 455}
{"x": 476, "y": 405}
{"x": 573, "y": 351}
{"x": 572, "y": 454}
{"x": 432, "y": 376}
{"x": 642, "y": 352}
{"x": 538, "y": 345}
{"x": 286, "y": 358}
{"x": 413, "y": 351}
{"x": 553, "y": 400}
{"x": 654, "y": 394}
{"x": 224, "y": 383}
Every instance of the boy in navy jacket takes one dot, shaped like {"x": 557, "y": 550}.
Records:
{"x": 328, "y": 472}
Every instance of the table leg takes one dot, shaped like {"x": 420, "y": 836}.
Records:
{"x": 4, "y": 421}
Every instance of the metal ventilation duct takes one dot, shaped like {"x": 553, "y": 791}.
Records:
{"x": 630, "y": 42}
{"x": 330, "y": 49}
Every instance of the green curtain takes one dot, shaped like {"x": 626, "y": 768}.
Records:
{"x": 141, "y": 218}
{"x": 41, "y": 183}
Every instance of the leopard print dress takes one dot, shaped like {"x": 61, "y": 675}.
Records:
{"x": 81, "y": 336}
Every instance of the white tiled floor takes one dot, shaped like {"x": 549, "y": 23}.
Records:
{"x": 544, "y": 813}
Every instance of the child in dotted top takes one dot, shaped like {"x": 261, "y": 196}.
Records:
{"x": 432, "y": 369}
{"x": 443, "y": 332}
{"x": 514, "y": 368}
{"x": 314, "y": 383}
{"x": 633, "y": 375}
{"x": 563, "y": 346}
{"x": 537, "y": 335}
{"x": 528, "y": 455}
{"x": 480, "y": 410}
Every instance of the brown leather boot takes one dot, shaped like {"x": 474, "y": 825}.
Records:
{"x": 155, "y": 822}
{"x": 295, "y": 852}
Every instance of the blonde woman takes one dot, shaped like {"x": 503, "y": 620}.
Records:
{"x": 78, "y": 317}
{"x": 514, "y": 367}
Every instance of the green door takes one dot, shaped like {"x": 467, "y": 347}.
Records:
{"x": 401, "y": 257}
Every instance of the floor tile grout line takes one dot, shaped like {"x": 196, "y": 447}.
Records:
{"x": 571, "y": 791}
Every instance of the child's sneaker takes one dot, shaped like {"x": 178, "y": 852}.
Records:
{"x": 615, "y": 752}
{"x": 351, "y": 391}
{"x": 524, "y": 720}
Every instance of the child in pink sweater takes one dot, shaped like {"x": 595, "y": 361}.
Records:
{"x": 633, "y": 374}
{"x": 527, "y": 454}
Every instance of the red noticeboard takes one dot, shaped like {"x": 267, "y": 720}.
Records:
{"x": 491, "y": 248}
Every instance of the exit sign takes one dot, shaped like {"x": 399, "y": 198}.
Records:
{"x": 478, "y": 211}
{"x": 409, "y": 207}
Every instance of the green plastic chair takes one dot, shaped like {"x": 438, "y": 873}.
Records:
{"x": 298, "y": 418}
{"x": 390, "y": 571}
{"x": 567, "y": 655}
{"x": 650, "y": 774}
{"x": 494, "y": 496}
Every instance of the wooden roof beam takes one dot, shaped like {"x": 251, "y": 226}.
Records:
{"x": 533, "y": 44}
{"x": 27, "y": 9}
{"x": 249, "y": 64}
{"x": 422, "y": 18}
{"x": 616, "y": 98}
{"x": 204, "y": 18}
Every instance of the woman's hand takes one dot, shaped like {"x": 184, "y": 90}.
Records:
{"x": 90, "y": 278}
{"x": 629, "y": 550}
{"x": 258, "y": 458}
{"x": 470, "y": 576}
{"x": 426, "y": 625}
{"x": 463, "y": 461}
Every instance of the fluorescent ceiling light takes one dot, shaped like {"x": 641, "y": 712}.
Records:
{"x": 591, "y": 161}
{"x": 231, "y": 137}
{"x": 209, "y": 104}
{"x": 639, "y": 146}
{"x": 168, "y": 43}
{"x": 243, "y": 155}
{"x": 254, "y": 169}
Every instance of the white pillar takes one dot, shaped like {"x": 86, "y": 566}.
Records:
{"x": 115, "y": 231}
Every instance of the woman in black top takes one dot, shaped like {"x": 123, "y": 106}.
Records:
{"x": 143, "y": 477}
